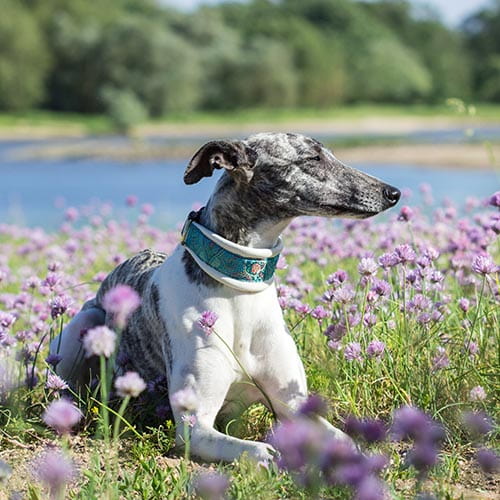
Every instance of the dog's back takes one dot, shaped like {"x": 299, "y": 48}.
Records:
{"x": 140, "y": 340}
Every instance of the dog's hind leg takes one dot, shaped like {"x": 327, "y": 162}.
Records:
{"x": 74, "y": 367}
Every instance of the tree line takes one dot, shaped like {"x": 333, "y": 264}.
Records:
{"x": 143, "y": 58}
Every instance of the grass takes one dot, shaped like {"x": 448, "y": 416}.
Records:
{"x": 100, "y": 124}
{"x": 145, "y": 464}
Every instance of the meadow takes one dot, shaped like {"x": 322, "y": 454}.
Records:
{"x": 389, "y": 314}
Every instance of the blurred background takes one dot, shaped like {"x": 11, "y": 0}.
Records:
{"x": 100, "y": 100}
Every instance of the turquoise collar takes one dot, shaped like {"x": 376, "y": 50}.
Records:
{"x": 244, "y": 268}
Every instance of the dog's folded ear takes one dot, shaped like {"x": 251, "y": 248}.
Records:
{"x": 234, "y": 156}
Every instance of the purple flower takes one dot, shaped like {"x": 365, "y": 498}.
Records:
{"x": 423, "y": 456}
{"x": 488, "y": 460}
{"x": 483, "y": 264}
{"x": 147, "y": 209}
{"x": 131, "y": 200}
{"x": 184, "y": 400}
{"x": 58, "y": 305}
{"x": 51, "y": 280}
{"x": 419, "y": 302}
{"x": 320, "y": 313}
{"x": 313, "y": 405}
{"x": 53, "y": 360}
{"x": 375, "y": 349}
{"x": 367, "y": 267}
{"x": 189, "y": 420}
{"x": 301, "y": 308}
{"x": 207, "y": 321}
{"x": 55, "y": 470}
{"x": 131, "y": 384}
{"x": 494, "y": 201}
{"x": 370, "y": 488}
{"x": 477, "y": 394}
{"x": 370, "y": 430}
{"x": 335, "y": 332}
{"x": 71, "y": 214}
{"x": 406, "y": 213}
{"x": 343, "y": 295}
{"x": 388, "y": 260}
{"x": 464, "y": 304}
{"x": 99, "y": 341}
{"x": 337, "y": 278}
{"x": 7, "y": 319}
{"x": 281, "y": 264}
{"x": 440, "y": 360}
{"x": 472, "y": 348}
{"x": 62, "y": 415}
{"x": 352, "y": 351}
{"x": 211, "y": 485}
{"x": 55, "y": 382}
{"x": 411, "y": 423}
{"x": 405, "y": 253}
{"x": 381, "y": 288}
{"x": 369, "y": 320}
{"x": 477, "y": 422}
{"x": 121, "y": 301}
{"x": 298, "y": 441}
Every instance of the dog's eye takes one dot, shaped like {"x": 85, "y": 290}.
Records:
{"x": 316, "y": 158}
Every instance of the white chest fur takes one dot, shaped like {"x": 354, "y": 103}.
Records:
{"x": 248, "y": 322}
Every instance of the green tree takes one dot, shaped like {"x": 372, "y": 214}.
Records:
{"x": 24, "y": 58}
{"x": 379, "y": 67}
{"x": 440, "y": 49}
{"x": 157, "y": 65}
{"x": 483, "y": 41}
{"x": 263, "y": 77}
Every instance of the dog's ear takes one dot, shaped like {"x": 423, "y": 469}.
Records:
{"x": 234, "y": 156}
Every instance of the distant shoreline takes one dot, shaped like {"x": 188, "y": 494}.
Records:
{"x": 425, "y": 155}
{"x": 356, "y": 135}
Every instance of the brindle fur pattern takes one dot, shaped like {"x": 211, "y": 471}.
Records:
{"x": 145, "y": 328}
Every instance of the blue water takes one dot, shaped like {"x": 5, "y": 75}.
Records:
{"x": 29, "y": 189}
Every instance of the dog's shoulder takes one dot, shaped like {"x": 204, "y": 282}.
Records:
{"x": 134, "y": 272}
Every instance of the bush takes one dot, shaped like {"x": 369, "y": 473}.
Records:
{"x": 124, "y": 109}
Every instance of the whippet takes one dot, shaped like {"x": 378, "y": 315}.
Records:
{"x": 225, "y": 264}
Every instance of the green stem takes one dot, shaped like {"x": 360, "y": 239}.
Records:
{"x": 121, "y": 411}
{"x": 187, "y": 441}
{"x": 104, "y": 399}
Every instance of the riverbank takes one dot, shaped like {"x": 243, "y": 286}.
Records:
{"x": 418, "y": 135}
{"x": 469, "y": 155}
{"x": 359, "y": 120}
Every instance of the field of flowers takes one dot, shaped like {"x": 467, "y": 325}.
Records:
{"x": 396, "y": 319}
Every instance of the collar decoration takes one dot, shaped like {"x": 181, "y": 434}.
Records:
{"x": 237, "y": 266}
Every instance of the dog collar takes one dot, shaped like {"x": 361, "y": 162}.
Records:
{"x": 237, "y": 266}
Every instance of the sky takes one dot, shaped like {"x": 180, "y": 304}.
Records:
{"x": 452, "y": 11}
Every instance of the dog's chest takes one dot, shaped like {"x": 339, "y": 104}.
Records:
{"x": 246, "y": 321}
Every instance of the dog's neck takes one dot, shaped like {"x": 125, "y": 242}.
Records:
{"x": 240, "y": 219}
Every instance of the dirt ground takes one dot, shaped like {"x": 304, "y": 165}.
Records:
{"x": 473, "y": 485}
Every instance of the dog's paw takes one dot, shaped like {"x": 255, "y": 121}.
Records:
{"x": 263, "y": 454}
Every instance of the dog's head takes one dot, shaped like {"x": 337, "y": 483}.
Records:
{"x": 287, "y": 175}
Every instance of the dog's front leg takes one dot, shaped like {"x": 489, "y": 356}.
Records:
{"x": 284, "y": 381}
{"x": 197, "y": 393}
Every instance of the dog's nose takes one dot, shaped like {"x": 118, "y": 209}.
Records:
{"x": 391, "y": 194}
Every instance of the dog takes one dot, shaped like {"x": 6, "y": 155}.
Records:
{"x": 267, "y": 180}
